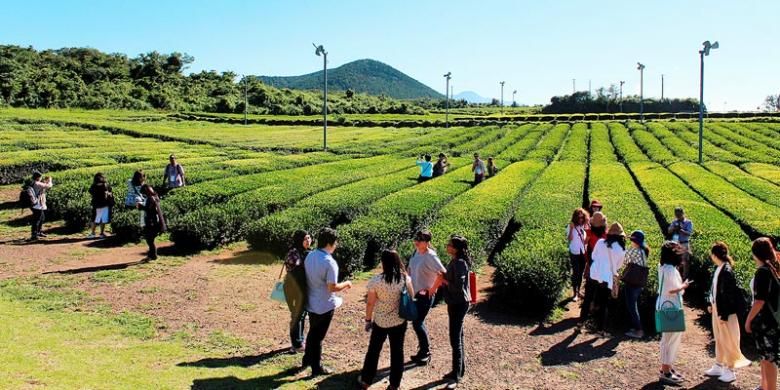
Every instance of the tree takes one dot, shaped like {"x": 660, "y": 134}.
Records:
{"x": 772, "y": 103}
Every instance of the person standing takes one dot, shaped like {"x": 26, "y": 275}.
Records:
{"x": 670, "y": 290}
{"x": 478, "y": 167}
{"x": 154, "y": 220}
{"x": 576, "y": 236}
{"x": 680, "y": 230}
{"x": 426, "y": 271}
{"x": 383, "y": 319}
{"x": 761, "y": 321}
{"x": 295, "y": 288}
{"x": 322, "y": 284}
{"x": 40, "y": 185}
{"x": 102, "y": 202}
{"x": 595, "y": 206}
{"x": 458, "y": 297}
{"x": 492, "y": 169}
{"x": 134, "y": 196}
{"x": 608, "y": 257}
{"x": 725, "y": 304}
{"x": 597, "y": 229}
{"x": 426, "y": 168}
{"x": 440, "y": 168}
{"x": 173, "y": 177}
{"x": 636, "y": 256}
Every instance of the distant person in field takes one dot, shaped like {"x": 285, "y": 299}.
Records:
{"x": 154, "y": 220}
{"x": 426, "y": 168}
{"x": 761, "y": 321}
{"x": 322, "y": 284}
{"x": 458, "y": 298}
{"x": 672, "y": 287}
{"x": 441, "y": 165}
{"x": 427, "y": 273}
{"x": 134, "y": 195}
{"x": 173, "y": 177}
{"x": 680, "y": 230}
{"x": 383, "y": 319}
{"x": 608, "y": 256}
{"x": 40, "y": 184}
{"x": 295, "y": 287}
{"x": 595, "y": 206}
{"x": 576, "y": 236}
{"x": 492, "y": 169}
{"x": 635, "y": 279}
{"x": 478, "y": 167}
{"x": 102, "y": 202}
{"x": 726, "y": 303}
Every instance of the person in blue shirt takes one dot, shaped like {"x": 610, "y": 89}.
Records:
{"x": 426, "y": 168}
{"x": 322, "y": 285}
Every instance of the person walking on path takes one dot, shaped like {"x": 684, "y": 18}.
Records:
{"x": 492, "y": 169}
{"x": 762, "y": 319}
{"x": 458, "y": 297}
{"x": 478, "y": 167}
{"x": 726, "y": 303}
{"x": 427, "y": 272}
{"x": 635, "y": 279}
{"x": 671, "y": 287}
{"x": 173, "y": 177}
{"x": 680, "y": 230}
{"x": 608, "y": 256}
{"x": 40, "y": 185}
{"x": 576, "y": 236}
{"x": 295, "y": 287}
{"x": 426, "y": 168}
{"x": 102, "y": 202}
{"x": 322, "y": 284}
{"x": 154, "y": 220}
{"x": 383, "y": 319}
{"x": 441, "y": 165}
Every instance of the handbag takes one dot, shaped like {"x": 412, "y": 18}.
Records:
{"x": 407, "y": 309}
{"x": 668, "y": 317}
{"x": 615, "y": 282}
{"x": 277, "y": 293}
{"x": 636, "y": 275}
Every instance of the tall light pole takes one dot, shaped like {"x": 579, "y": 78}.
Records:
{"x": 705, "y": 51}
{"x": 514, "y": 102}
{"x": 502, "y": 94}
{"x": 641, "y": 69}
{"x": 573, "y": 86}
{"x": 621, "y": 96}
{"x": 246, "y": 98}
{"x": 447, "y": 76}
{"x": 662, "y": 87}
{"x": 320, "y": 51}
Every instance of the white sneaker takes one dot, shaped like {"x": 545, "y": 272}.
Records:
{"x": 91, "y": 235}
{"x": 671, "y": 378}
{"x": 728, "y": 376}
{"x": 716, "y": 370}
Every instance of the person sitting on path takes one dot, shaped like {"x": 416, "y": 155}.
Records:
{"x": 440, "y": 168}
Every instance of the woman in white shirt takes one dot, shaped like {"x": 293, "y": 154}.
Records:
{"x": 671, "y": 288}
{"x": 576, "y": 236}
{"x": 607, "y": 258}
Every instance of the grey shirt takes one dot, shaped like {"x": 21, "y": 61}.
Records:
{"x": 424, "y": 268}
{"x": 321, "y": 270}
{"x": 685, "y": 232}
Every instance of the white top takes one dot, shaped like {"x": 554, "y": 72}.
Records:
{"x": 577, "y": 242}
{"x": 602, "y": 269}
{"x": 714, "y": 291}
{"x": 671, "y": 281}
{"x": 40, "y": 188}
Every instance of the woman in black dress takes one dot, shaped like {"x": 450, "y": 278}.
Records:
{"x": 761, "y": 319}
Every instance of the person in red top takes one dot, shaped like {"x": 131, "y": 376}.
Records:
{"x": 597, "y": 229}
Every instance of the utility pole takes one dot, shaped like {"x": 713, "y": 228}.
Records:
{"x": 514, "y": 102}
{"x": 573, "y": 86}
{"x": 641, "y": 69}
{"x": 621, "y": 95}
{"x": 502, "y": 94}
{"x": 662, "y": 87}
{"x": 447, "y": 76}
{"x": 588, "y": 88}
{"x": 246, "y": 98}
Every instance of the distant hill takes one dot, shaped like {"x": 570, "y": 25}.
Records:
{"x": 471, "y": 97}
{"x": 363, "y": 76}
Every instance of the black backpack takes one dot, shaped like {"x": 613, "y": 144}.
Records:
{"x": 27, "y": 197}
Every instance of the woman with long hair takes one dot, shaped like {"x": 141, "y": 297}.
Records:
{"x": 458, "y": 298}
{"x": 608, "y": 256}
{"x": 295, "y": 286}
{"x": 761, "y": 319}
{"x": 383, "y": 319}
{"x": 154, "y": 220}
{"x": 576, "y": 236}
{"x": 671, "y": 288}
{"x": 725, "y": 303}
{"x": 636, "y": 255}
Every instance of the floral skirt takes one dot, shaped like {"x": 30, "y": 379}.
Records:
{"x": 767, "y": 338}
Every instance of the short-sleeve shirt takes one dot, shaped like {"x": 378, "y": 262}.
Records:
{"x": 671, "y": 281}
{"x": 424, "y": 268}
{"x": 578, "y": 237}
{"x": 388, "y": 301}
{"x": 321, "y": 270}
{"x": 426, "y": 168}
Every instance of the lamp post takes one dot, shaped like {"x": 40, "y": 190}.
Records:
{"x": 502, "y": 94}
{"x": 705, "y": 51}
{"x": 447, "y": 76}
{"x": 246, "y": 98}
{"x": 573, "y": 86}
{"x": 320, "y": 51}
{"x": 514, "y": 102}
{"x": 662, "y": 88}
{"x": 621, "y": 96}
{"x": 641, "y": 68}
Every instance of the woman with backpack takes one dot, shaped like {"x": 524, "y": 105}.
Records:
{"x": 295, "y": 288}
{"x": 154, "y": 220}
{"x": 102, "y": 202}
{"x": 634, "y": 280}
{"x": 762, "y": 321}
{"x": 383, "y": 320}
{"x": 725, "y": 304}
{"x": 457, "y": 295}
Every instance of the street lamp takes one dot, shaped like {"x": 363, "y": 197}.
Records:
{"x": 320, "y": 51}
{"x": 447, "y": 76}
{"x": 502, "y": 94}
{"x": 705, "y": 51}
{"x": 621, "y": 96}
{"x": 514, "y": 103}
{"x": 246, "y": 98}
{"x": 641, "y": 68}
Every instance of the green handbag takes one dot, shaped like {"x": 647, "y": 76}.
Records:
{"x": 668, "y": 317}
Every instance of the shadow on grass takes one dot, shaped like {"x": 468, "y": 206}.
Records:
{"x": 264, "y": 382}
{"x": 249, "y": 257}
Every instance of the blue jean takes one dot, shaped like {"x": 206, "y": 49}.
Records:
{"x": 424, "y": 303}
{"x": 632, "y": 304}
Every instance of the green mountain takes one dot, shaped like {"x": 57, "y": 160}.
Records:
{"x": 362, "y": 76}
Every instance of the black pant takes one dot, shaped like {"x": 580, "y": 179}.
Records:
{"x": 478, "y": 178}
{"x": 318, "y": 329}
{"x": 577, "y": 267}
{"x": 424, "y": 303}
{"x": 38, "y": 216}
{"x": 150, "y": 234}
{"x": 457, "y": 314}
{"x": 378, "y": 337}
{"x": 596, "y": 294}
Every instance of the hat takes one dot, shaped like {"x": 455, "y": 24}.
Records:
{"x": 638, "y": 237}
{"x": 616, "y": 229}
{"x": 595, "y": 203}
{"x": 598, "y": 219}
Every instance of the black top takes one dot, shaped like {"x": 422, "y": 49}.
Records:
{"x": 100, "y": 195}
{"x": 438, "y": 168}
{"x": 457, "y": 276}
{"x": 765, "y": 288}
{"x": 154, "y": 218}
{"x": 728, "y": 297}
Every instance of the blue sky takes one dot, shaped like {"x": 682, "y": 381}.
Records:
{"x": 537, "y": 47}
